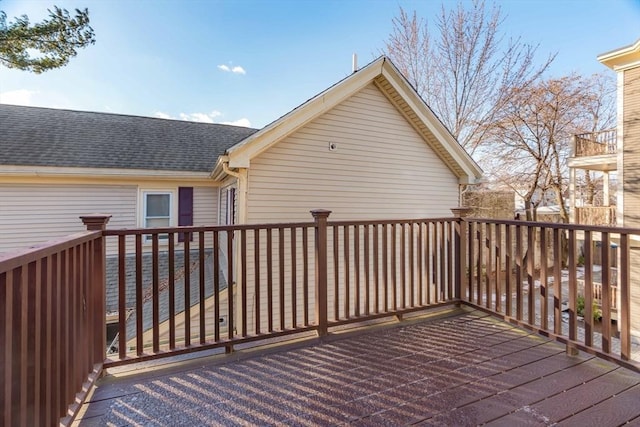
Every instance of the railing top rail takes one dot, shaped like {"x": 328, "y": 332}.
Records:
{"x": 264, "y": 226}
{"x": 595, "y": 143}
{"x": 208, "y": 228}
{"x": 562, "y": 226}
{"x": 11, "y": 260}
{"x": 389, "y": 221}
{"x": 595, "y": 136}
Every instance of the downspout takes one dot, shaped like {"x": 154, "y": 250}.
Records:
{"x": 462, "y": 188}
{"x": 241, "y": 177}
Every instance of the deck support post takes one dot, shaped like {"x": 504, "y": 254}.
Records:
{"x": 461, "y": 265}
{"x": 572, "y": 350}
{"x": 320, "y": 217}
{"x": 96, "y": 300}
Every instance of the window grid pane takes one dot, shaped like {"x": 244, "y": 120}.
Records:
{"x": 158, "y": 205}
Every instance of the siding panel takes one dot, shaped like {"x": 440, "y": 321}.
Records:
{"x": 205, "y": 205}
{"x": 631, "y": 138}
{"x": 380, "y": 169}
{"x": 631, "y": 179}
{"x": 32, "y": 214}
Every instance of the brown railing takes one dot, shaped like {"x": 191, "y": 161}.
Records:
{"x": 179, "y": 290}
{"x": 595, "y": 143}
{"x": 516, "y": 270}
{"x": 231, "y": 284}
{"x": 596, "y": 215}
{"x": 52, "y": 332}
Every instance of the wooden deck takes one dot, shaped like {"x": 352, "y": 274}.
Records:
{"x": 458, "y": 368}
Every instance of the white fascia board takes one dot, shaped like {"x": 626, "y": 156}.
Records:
{"x": 241, "y": 154}
{"x": 622, "y": 58}
{"x": 454, "y": 149}
{"x": 101, "y": 173}
{"x": 625, "y": 67}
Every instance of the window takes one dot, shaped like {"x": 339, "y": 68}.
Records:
{"x": 231, "y": 206}
{"x": 157, "y": 211}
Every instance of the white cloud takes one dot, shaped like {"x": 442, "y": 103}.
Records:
{"x": 200, "y": 117}
{"x": 203, "y": 118}
{"x": 238, "y": 70}
{"x": 235, "y": 70}
{"x": 18, "y": 97}
{"x": 240, "y": 122}
{"x": 161, "y": 115}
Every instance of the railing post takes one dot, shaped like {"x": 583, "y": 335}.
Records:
{"x": 97, "y": 295}
{"x": 320, "y": 216}
{"x": 461, "y": 265}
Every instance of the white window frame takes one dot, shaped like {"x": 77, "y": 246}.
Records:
{"x": 143, "y": 210}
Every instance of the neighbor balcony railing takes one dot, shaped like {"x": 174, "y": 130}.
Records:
{"x": 220, "y": 286}
{"x": 595, "y": 143}
{"x": 596, "y": 215}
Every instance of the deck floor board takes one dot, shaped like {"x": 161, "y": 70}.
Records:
{"x": 463, "y": 368}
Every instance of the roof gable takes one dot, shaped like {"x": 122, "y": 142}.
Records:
{"x": 45, "y": 137}
{"x": 400, "y": 93}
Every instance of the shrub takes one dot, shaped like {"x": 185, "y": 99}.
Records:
{"x": 595, "y": 311}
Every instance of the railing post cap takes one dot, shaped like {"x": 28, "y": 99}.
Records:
{"x": 320, "y": 213}
{"x": 461, "y": 212}
{"x": 95, "y": 221}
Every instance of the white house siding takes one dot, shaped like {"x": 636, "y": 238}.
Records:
{"x": 631, "y": 153}
{"x": 631, "y": 182}
{"x": 205, "y": 206}
{"x": 32, "y": 214}
{"x": 380, "y": 168}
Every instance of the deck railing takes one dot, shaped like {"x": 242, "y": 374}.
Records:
{"x": 180, "y": 290}
{"x": 595, "y": 143}
{"x": 596, "y": 215}
{"x": 52, "y": 333}
{"x": 529, "y": 273}
{"x": 227, "y": 285}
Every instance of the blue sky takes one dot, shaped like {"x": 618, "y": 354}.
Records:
{"x": 177, "y": 58}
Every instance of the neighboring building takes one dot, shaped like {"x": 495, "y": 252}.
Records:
{"x": 616, "y": 151}
{"x": 57, "y": 165}
{"x": 366, "y": 148}
{"x": 626, "y": 63}
{"x": 594, "y": 152}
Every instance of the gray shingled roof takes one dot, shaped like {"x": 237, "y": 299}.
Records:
{"x": 32, "y": 136}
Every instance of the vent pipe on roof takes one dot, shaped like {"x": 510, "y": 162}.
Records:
{"x": 354, "y": 62}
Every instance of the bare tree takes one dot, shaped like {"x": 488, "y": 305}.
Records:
{"x": 533, "y": 132}
{"x": 463, "y": 66}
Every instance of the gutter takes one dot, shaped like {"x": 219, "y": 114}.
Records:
{"x": 227, "y": 170}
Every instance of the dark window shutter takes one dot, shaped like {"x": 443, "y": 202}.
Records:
{"x": 185, "y": 209}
